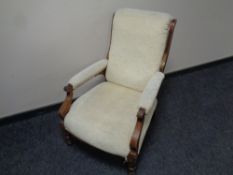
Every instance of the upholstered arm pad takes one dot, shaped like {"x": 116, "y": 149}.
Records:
{"x": 151, "y": 91}
{"x": 88, "y": 73}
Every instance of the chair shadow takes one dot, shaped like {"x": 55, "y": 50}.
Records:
{"x": 99, "y": 155}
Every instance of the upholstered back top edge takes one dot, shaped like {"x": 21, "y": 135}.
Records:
{"x": 144, "y": 12}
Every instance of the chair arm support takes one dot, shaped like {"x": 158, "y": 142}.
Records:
{"x": 151, "y": 91}
{"x": 88, "y": 73}
{"x": 134, "y": 142}
{"x": 65, "y": 107}
{"x": 78, "y": 80}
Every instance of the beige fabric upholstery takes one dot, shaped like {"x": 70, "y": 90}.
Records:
{"x": 137, "y": 45}
{"x": 105, "y": 117}
{"x": 88, "y": 73}
{"x": 151, "y": 91}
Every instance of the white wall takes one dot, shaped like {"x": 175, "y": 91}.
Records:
{"x": 44, "y": 42}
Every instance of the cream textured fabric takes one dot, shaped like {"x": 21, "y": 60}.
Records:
{"x": 137, "y": 45}
{"x": 105, "y": 117}
{"x": 151, "y": 91}
{"x": 88, "y": 73}
{"x": 146, "y": 123}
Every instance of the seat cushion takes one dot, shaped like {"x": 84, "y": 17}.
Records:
{"x": 137, "y": 46}
{"x": 105, "y": 117}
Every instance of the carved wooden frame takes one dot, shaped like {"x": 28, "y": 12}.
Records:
{"x": 135, "y": 139}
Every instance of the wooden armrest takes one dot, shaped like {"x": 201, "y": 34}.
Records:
{"x": 77, "y": 80}
{"x": 134, "y": 143}
{"x": 65, "y": 107}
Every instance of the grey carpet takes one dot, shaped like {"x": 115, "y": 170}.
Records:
{"x": 190, "y": 134}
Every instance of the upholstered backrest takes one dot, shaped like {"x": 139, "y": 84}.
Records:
{"x": 137, "y": 46}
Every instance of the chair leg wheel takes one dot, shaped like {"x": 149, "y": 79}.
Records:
{"x": 68, "y": 138}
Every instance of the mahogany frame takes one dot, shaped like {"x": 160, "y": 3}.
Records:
{"x": 135, "y": 139}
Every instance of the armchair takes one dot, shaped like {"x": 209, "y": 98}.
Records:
{"x": 114, "y": 115}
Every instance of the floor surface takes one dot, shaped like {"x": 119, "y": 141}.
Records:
{"x": 191, "y": 134}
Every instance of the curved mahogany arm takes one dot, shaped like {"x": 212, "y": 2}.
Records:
{"x": 65, "y": 107}
{"x": 171, "y": 29}
{"x": 134, "y": 143}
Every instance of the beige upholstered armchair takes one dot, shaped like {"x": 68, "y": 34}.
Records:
{"x": 114, "y": 115}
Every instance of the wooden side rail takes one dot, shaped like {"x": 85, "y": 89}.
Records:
{"x": 65, "y": 107}
{"x": 171, "y": 28}
{"x": 134, "y": 143}
{"x": 135, "y": 138}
